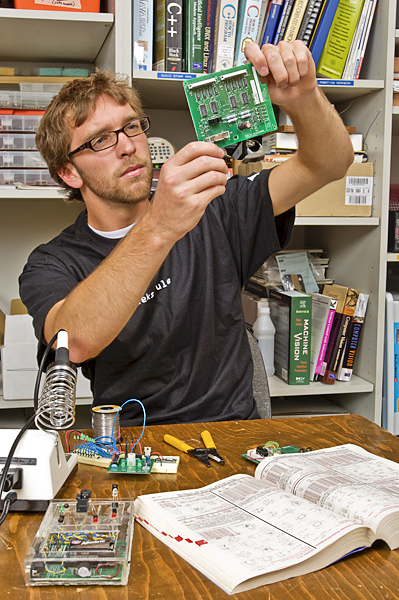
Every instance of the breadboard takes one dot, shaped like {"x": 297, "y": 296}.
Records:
{"x": 230, "y": 106}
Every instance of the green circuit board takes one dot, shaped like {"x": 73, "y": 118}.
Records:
{"x": 230, "y": 106}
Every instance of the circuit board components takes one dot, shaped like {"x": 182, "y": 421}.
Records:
{"x": 230, "y": 106}
{"x": 82, "y": 542}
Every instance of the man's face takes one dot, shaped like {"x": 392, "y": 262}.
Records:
{"x": 121, "y": 174}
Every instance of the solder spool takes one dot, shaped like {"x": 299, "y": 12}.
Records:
{"x": 102, "y": 418}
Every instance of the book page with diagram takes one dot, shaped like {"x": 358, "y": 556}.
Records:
{"x": 242, "y": 533}
{"x": 345, "y": 479}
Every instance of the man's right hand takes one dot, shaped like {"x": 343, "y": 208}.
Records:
{"x": 188, "y": 182}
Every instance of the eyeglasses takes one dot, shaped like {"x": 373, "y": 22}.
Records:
{"x": 110, "y": 138}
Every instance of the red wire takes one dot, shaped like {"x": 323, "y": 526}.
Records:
{"x": 107, "y": 565}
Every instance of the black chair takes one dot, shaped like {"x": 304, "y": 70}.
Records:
{"x": 260, "y": 385}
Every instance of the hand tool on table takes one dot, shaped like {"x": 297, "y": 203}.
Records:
{"x": 203, "y": 454}
{"x": 210, "y": 444}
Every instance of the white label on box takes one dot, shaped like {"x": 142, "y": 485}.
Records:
{"x": 359, "y": 191}
{"x": 67, "y": 3}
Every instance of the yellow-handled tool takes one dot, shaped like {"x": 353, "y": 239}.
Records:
{"x": 200, "y": 453}
{"x": 210, "y": 444}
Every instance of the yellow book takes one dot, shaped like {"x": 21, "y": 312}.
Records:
{"x": 295, "y": 21}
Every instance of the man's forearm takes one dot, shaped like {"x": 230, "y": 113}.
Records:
{"x": 99, "y": 307}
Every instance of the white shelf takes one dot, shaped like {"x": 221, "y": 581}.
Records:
{"x": 340, "y": 221}
{"x": 9, "y": 192}
{"x": 51, "y": 36}
{"x": 392, "y": 257}
{"x": 151, "y": 82}
{"x": 355, "y": 386}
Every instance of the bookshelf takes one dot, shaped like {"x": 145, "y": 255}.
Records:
{"x": 357, "y": 246}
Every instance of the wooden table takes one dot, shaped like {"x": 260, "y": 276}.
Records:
{"x": 158, "y": 573}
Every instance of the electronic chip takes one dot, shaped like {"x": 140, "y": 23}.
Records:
{"x": 214, "y": 107}
{"x": 233, "y": 101}
{"x": 203, "y": 110}
{"x": 244, "y": 98}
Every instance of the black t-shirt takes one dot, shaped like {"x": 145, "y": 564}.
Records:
{"x": 184, "y": 353}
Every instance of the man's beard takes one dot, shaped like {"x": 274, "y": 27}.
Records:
{"x": 108, "y": 189}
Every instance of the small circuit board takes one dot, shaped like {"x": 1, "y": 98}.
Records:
{"x": 82, "y": 542}
{"x": 230, "y": 106}
{"x": 256, "y": 455}
{"x": 133, "y": 464}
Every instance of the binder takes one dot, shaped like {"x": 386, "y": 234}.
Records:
{"x": 392, "y": 362}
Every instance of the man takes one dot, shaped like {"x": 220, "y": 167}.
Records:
{"x": 150, "y": 291}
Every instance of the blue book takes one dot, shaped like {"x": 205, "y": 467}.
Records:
{"x": 323, "y": 28}
{"x": 283, "y": 21}
{"x": 272, "y": 21}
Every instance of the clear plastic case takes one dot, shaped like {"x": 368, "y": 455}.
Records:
{"x": 26, "y": 100}
{"x": 39, "y": 177}
{"x": 82, "y": 547}
{"x": 23, "y": 160}
{"x": 17, "y": 141}
{"x": 19, "y": 122}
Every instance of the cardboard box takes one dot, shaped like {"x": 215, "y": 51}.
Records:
{"x": 332, "y": 200}
{"x": 19, "y": 330}
{"x": 19, "y": 384}
{"x": 74, "y": 5}
{"x": 16, "y": 357}
{"x": 17, "y": 307}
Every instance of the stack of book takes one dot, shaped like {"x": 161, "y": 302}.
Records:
{"x": 317, "y": 335}
{"x": 205, "y": 36}
{"x": 317, "y": 332}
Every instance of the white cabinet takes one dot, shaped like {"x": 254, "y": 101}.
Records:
{"x": 357, "y": 246}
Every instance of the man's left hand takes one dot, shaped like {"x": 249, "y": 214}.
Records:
{"x": 287, "y": 69}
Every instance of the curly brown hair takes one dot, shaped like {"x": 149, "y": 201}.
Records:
{"x": 70, "y": 108}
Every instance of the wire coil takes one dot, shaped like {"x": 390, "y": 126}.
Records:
{"x": 102, "y": 419}
{"x": 56, "y": 407}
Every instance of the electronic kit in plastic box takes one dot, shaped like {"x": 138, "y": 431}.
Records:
{"x": 82, "y": 542}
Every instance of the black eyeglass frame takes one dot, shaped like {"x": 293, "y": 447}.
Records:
{"x": 88, "y": 144}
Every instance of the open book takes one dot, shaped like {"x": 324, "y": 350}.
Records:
{"x": 299, "y": 514}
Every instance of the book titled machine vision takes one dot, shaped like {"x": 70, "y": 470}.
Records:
{"x": 300, "y": 513}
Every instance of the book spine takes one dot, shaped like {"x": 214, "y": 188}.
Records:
{"x": 159, "y": 35}
{"x": 256, "y": 288}
{"x": 348, "y": 311}
{"x": 295, "y": 20}
{"x": 272, "y": 21}
{"x": 142, "y": 34}
{"x": 225, "y": 35}
{"x": 247, "y": 27}
{"x": 346, "y": 369}
{"x": 326, "y": 337}
{"x": 209, "y": 34}
{"x": 263, "y": 14}
{"x": 309, "y": 21}
{"x": 194, "y": 35}
{"x": 300, "y": 331}
{"x": 283, "y": 22}
{"x": 322, "y": 29}
{"x": 366, "y": 38}
{"x": 174, "y": 60}
{"x": 352, "y": 59}
{"x": 336, "y": 49}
